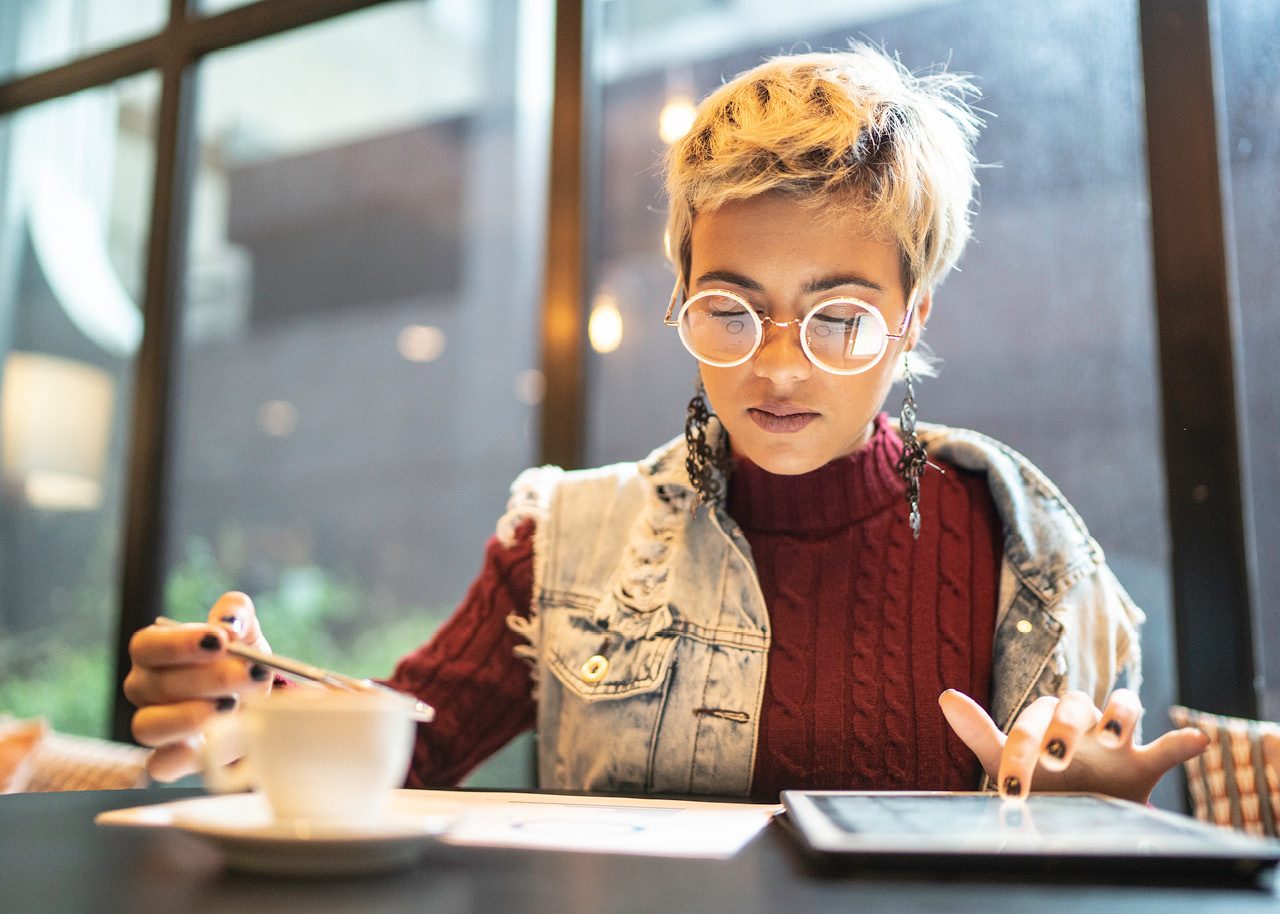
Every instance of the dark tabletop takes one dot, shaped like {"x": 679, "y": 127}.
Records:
{"x": 55, "y": 859}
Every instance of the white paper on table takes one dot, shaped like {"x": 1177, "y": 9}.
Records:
{"x": 610, "y": 825}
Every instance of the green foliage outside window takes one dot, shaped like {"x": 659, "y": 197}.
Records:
{"x": 65, "y": 673}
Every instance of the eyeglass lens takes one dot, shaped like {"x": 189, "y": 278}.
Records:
{"x": 841, "y": 336}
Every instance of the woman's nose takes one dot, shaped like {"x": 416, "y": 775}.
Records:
{"x": 780, "y": 356}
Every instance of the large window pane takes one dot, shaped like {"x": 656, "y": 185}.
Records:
{"x": 38, "y": 34}
{"x": 357, "y": 368}
{"x": 75, "y": 191}
{"x": 1250, "y": 49}
{"x": 1046, "y": 335}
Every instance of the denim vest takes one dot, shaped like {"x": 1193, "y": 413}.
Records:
{"x": 648, "y": 632}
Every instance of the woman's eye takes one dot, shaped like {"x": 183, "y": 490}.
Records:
{"x": 844, "y": 323}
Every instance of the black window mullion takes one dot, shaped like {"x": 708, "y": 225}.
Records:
{"x": 142, "y": 571}
{"x": 184, "y": 41}
{"x": 1214, "y": 625}
{"x": 174, "y": 52}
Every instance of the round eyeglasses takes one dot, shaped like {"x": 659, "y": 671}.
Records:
{"x": 841, "y": 335}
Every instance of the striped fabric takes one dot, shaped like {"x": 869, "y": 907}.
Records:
{"x": 59, "y": 761}
{"x": 1236, "y": 782}
{"x": 65, "y": 762}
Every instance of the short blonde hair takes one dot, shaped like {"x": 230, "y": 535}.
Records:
{"x": 837, "y": 128}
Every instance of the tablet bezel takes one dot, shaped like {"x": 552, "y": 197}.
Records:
{"x": 1215, "y": 850}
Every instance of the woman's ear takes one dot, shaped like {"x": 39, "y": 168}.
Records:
{"x": 923, "y": 307}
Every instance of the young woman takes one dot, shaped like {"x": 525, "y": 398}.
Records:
{"x": 797, "y": 593}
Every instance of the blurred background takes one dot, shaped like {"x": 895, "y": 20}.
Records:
{"x": 356, "y": 229}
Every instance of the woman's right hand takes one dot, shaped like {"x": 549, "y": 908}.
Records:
{"x": 182, "y": 675}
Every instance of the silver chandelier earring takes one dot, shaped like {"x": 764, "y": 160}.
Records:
{"x": 914, "y": 459}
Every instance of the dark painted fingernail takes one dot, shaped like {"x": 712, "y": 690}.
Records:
{"x": 1057, "y": 748}
{"x": 210, "y": 642}
{"x": 1112, "y": 726}
{"x": 259, "y": 672}
{"x": 233, "y": 621}
{"x": 225, "y": 703}
{"x": 1012, "y": 787}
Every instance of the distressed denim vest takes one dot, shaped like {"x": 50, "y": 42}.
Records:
{"x": 648, "y": 634}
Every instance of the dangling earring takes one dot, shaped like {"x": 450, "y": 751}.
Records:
{"x": 707, "y": 463}
{"x": 913, "y": 460}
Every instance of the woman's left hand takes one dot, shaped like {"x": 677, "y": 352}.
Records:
{"x": 1067, "y": 744}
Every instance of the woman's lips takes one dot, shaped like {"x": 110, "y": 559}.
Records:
{"x": 782, "y": 418}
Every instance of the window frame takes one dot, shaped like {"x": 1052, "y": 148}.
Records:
{"x": 1214, "y": 571}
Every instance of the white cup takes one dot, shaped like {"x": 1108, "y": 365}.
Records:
{"x": 317, "y": 755}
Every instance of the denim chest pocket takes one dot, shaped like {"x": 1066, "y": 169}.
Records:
{"x": 594, "y": 660}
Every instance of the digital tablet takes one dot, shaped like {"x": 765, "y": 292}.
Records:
{"x": 1047, "y": 832}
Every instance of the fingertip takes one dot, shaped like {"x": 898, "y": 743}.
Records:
{"x": 1012, "y": 788}
{"x": 234, "y": 613}
{"x": 232, "y": 603}
{"x": 952, "y": 705}
{"x": 155, "y": 769}
{"x": 1192, "y": 743}
{"x": 1056, "y": 754}
{"x": 1196, "y": 736}
{"x": 956, "y": 699}
{"x": 1111, "y": 733}
{"x": 233, "y": 622}
{"x": 169, "y": 763}
{"x": 1178, "y": 746}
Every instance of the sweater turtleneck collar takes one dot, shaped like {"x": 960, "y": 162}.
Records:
{"x": 845, "y": 491}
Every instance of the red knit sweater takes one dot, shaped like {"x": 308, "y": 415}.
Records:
{"x": 869, "y": 627}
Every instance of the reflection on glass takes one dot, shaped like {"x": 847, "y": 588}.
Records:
{"x": 1062, "y": 247}
{"x": 210, "y": 7}
{"x": 75, "y": 188}
{"x": 1251, "y": 82}
{"x": 55, "y": 423}
{"x": 359, "y": 307}
{"x": 39, "y": 34}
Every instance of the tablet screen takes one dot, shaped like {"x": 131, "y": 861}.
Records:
{"x": 1045, "y": 824}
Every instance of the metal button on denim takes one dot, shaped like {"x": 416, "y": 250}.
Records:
{"x": 1024, "y": 626}
{"x": 595, "y": 668}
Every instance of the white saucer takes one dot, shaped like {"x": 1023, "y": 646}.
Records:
{"x": 242, "y": 827}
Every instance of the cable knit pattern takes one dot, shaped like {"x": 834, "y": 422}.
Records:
{"x": 869, "y": 625}
{"x": 470, "y": 671}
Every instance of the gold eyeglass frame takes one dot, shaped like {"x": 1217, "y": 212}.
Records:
{"x": 759, "y": 321}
